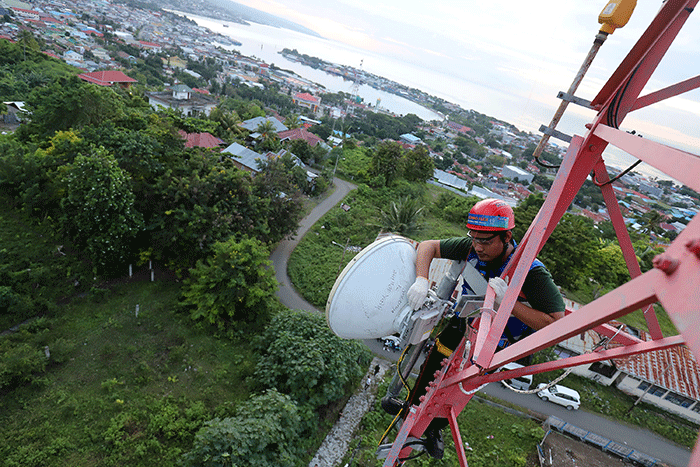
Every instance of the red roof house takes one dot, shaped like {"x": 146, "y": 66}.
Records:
{"x": 304, "y": 99}
{"x": 201, "y": 140}
{"x": 107, "y": 78}
{"x": 299, "y": 133}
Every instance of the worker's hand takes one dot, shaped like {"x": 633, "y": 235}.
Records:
{"x": 499, "y": 286}
{"x": 418, "y": 293}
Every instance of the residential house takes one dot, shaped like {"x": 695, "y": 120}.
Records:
{"x": 253, "y": 123}
{"x": 201, "y": 140}
{"x": 108, "y": 78}
{"x": 410, "y": 139}
{"x": 304, "y": 99}
{"x": 300, "y": 133}
{"x": 243, "y": 158}
{"x": 182, "y": 98}
{"x": 668, "y": 379}
{"x": 14, "y": 111}
{"x": 516, "y": 173}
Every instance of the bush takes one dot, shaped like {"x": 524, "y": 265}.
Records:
{"x": 301, "y": 356}
{"x": 235, "y": 284}
{"x": 263, "y": 433}
{"x": 19, "y": 363}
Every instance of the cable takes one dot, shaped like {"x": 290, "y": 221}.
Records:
{"x": 618, "y": 176}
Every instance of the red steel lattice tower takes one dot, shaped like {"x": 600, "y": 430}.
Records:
{"x": 674, "y": 282}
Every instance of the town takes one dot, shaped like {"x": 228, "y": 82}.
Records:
{"x": 473, "y": 155}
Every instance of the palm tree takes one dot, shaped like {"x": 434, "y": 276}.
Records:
{"x": 402, "y": 217}
{"x": 268, "y": 136}
{"x": 650, "y": 222}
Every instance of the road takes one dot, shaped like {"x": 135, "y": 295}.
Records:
{"x": 638, "y": 439}
{"x": 280, "y": 257}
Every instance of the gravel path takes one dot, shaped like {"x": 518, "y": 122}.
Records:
{"x": 336, "y": 444}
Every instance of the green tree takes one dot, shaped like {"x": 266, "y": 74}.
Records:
{"x": 650, "y": 222}
{"x": 263, "y": 433}
{"x": 69, "y": 102}
{"x": 234, "y": 284}
{"x": 418, "y": 166}
{"x": 269, "y": 141}
{"x": 300, "y": 356}
{"x": 279, "y": 185}
{"x": 98, "y": 209}
{"x": 386, "y": 161}
{"x": 197, "y": 202}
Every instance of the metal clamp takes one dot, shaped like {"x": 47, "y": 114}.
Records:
{"x": 565, "y": 96}
{"x": 556, "y": 133}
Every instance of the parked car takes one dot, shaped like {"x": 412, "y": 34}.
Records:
{"x": 522, "y": 383}
{"x": 561, "y": 395}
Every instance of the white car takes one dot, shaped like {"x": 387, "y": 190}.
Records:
{"x": 560, "y": 395}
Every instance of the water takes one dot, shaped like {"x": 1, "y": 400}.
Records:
{"x": 264, "y": 42}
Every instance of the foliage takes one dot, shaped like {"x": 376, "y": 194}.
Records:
{"x": 418, "y": 166}
{"x": 118, "y": 389}
{"x": 262, "y": 433}
{"x": 19, "y": 363}
{"x": 386, "y": 161}
{"x": 234, "y": 284}
{"x": 199, "y": 202}
{"x": 68, "y": 102}
{"x": 301, "y": 356}
{"x": 495, "y": 437}
{"x": 402, "y": 217}
{"x": 24, "y": 69}
{"x": 279, "y": 186}
{"x": 454, "y": 208}
{"x": 98, "y": 209}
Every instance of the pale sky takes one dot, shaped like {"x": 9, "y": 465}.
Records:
{"x": 527, "y": 49}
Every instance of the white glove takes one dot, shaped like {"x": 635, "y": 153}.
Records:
{"x": 418, "y": 293}
{"x": 499, "y": 286}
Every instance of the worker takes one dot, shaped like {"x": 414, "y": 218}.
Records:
{"x": 488, "y": 247}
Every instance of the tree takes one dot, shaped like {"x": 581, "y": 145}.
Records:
{"x": 302, "y": 150}
{"x": 650, "y": 222}
{"x": 98, "y": 209}
{"x": 301, "y": 356}
{"x": 402, "y": 218}
{"x": 386, "y": 161}
{"x": 418, "y": 166}
{"x": 69, "y": 102}
{"x": 263, "y": 433}
{"x": 234, "y": 284}
{"x": 279, "y": 184}
{"x": 269, "y": 141}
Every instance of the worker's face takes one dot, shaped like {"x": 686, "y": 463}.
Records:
{"x": 487, "y": 245}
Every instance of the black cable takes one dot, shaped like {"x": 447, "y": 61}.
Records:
{"x": 547, "y": 166}
{"x": 621, "y": 174}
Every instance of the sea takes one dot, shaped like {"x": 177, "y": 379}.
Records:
{"x": 265, "y": 42}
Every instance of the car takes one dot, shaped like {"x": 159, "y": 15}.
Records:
{"x": 521, "y": 382}
{"x": 561, "y": 395}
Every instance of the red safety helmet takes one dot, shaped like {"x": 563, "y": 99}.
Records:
{"x": 491, "y": 215}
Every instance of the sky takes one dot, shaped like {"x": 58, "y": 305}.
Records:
{"x": 530, "y": 50}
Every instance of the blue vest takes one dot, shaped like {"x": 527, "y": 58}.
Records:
{"x": 515, "y": 329}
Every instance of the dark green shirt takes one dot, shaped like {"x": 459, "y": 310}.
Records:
{"x": 539, "y": 288}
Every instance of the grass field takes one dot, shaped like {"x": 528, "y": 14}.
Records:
{"x": 120, "y": 389}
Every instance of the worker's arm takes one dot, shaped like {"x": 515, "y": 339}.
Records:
{"x": 425, "y": 253}
{"x": 534, "y": 318}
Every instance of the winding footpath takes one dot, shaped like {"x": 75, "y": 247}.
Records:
{"x": 280, "y": 257}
